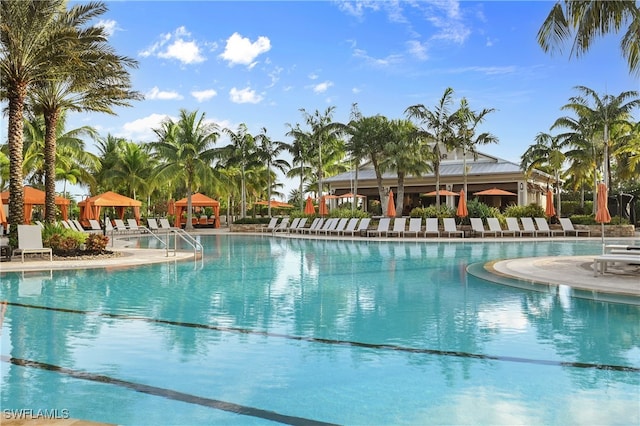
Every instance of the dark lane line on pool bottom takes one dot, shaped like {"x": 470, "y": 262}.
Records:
{"x": 380, "y": 346}
{"x": 168, "y": 393}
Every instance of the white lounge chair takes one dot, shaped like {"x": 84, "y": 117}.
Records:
{"x": 432, "y": 227}
{"x": 328, "y": 224}
{"x": 478, "y": 227}
{"x": 65, "y": 224}
{"x": 513, "y": 226}
{"x": 399, "y": 225}
{"x": 600, "y": 263}
{"x": 78, "y": 225}
{"x": 317, "y": 223}
{"x": 95, "y": 225}
{"x": 134, "y": 227}
{"x": 543, "y": 227}
{"x": 165, "y": 225}
{"x": 293, "y": 225}
{"x": 282, "y": 227}
{"x": 271, "y": 225}
{"x": 299, "y": 226}
{"x": 494, "y": 226}
{"x": 528, "y": 227}
{"x": 567, "y": 227}
{"x": 383, "y": 227}
{"x": 342, "y": 224}
{"x": 363, "y": 225}
{"x": 120, "y": 226}
{"x": 450, "y": 227}
{"x": 415, "y": 227}
{"x": 152, "y": 224}
{"x": 30, "y": 241}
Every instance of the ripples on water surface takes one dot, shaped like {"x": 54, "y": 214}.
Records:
{"x": 299, "y": 330}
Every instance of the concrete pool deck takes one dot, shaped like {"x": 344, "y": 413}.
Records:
{"x": 573, "y": 271}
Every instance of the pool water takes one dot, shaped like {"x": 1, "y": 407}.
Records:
{"x": 302, "y": 331}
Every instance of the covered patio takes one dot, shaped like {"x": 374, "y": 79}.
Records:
{"x": 91, "y": 207}
{"x": 198, "y": 200}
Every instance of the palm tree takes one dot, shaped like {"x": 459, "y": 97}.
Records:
{"x": 466, "y": 123}
{"x": 324, "y": 137}
{"x": 97, "y": 81}
{"x": 31, "y": 42}
{"x": 547, "y": 151}
{"x": 439, "y": 129}
{"x": 185, "y": 150}
{"x": 300, "y": 151}
{"x": 268, "y": 151}
{"x": 242, "y": 152}
{"x": 604, "y": 112}
{"x": 405, "y": 154}
{"x": 72, "y": 162}
{"x": 583, "y": 21}
{"x": 133, "y": 171}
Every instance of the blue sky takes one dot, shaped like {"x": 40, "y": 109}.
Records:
{"x": 260, "y": 62}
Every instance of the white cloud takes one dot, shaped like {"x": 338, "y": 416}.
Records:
{"x": 313, "y": 76}
{"x": 244, "y": 96}
{"x": 240, "y": 50}
{"x": 177, "y": 46}
{"x": 377, "y": 62}
{"x": 418, "y": 50}
{"x": 356, "y": 90}
{"x": 204, "y": 95}
{"x": 141, "y": 130}
{"x": 322, "y": 87}
{"x": 109, "y": 26}
{"x": 156, "y": 93}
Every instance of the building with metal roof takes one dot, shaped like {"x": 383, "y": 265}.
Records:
{"x": 483, "y": 173}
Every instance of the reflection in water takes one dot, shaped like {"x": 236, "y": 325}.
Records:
{"x": 412, "y": 295}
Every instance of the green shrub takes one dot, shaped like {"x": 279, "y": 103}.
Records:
{"x": 96, "y": 243}
{"x": 532, "y": 210}
{"x": 570, "y": 208}
{"x": 433, "y": 211}
{"x": 479, "y": 209}
{"x": 252, "y": 220}
{"x": 583, "y": 219}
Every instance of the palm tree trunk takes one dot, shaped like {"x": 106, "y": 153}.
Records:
{"x": 269, "y": 188}
{"x": 51, "y": 123}
{"x": 355, "y": 191}
{"x": 189, "y": 225}
{"x": 400, "y": 202}
{"x": 243, "y": 207}
{"x": 301, "y": 182}
{"x": 15, "y": 142}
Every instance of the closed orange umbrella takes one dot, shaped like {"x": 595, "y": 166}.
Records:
{"x": 391, "y": 206}
{"x": 462, "y": 205}
{"x": 550, "y": 210}
{"x": 3, "y": 217}
{"x": 308, "y": 206}
{"x": 602, "y": 214}
{"x": 171, "y": 207}
{"x": 322, "y": 208}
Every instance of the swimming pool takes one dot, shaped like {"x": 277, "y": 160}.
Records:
{"x": 315, "y": 331}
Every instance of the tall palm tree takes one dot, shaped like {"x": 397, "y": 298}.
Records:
{"x": 547, "y": 151}
{"x": 603, "y": 112}
{"x": 240, "y": 151}
{"x": 72, "y": 160}
{"x": 583, "y": 21}
{"x": 300, "y": 150}
{"x": 466, "y": 123}
{"x": 31, "y": 42}
{"x": 133, "y": 171}
{"x": 268, "y": 151}
{"x": 325, "y": 138}
{"x": 405, "y": 154}
{"x": 439, "y": 128}
{"x": 185, "y": 150}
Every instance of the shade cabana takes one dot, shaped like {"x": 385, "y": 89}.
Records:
{"x": 109, "y": 199}
{"x": 198, "y": 200}
{"x": 33, "y": 196}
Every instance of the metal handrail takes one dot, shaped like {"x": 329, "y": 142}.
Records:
{"x": 186, "y": 237}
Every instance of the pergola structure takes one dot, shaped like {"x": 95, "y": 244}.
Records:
{"x": 34, "y": 196}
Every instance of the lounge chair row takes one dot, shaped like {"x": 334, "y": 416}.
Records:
{"x": 406, "y": 227}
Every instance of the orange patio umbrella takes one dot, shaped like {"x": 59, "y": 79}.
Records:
{"x": 391, "y": 206}
{"x": 443, "y": 193}
{"x": 495, "y": 191}
{"x": 550, "y": 210}
{"x": 308, "y": 206}
{"x": 3, "y": 217}
{"x": 171, "y": 207}
{"x": 322, "y": 208}
{"x": 602, "y": 214}
{"x": 462, "y": 205}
